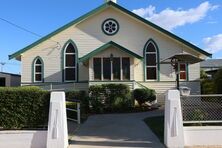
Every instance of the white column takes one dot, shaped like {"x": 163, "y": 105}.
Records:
{"x": 57, "y": 126}
{"x": 173, "y": 122}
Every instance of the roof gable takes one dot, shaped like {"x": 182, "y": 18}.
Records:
{"x": 100, "y": 8}
{"x": 106, "y": 46}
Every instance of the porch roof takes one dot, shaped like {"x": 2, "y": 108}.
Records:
{"x": 104, "y": 47}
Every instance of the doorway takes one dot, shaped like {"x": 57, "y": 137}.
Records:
{"x": 2, "y": 82}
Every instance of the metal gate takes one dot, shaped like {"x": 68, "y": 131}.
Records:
{"x": 73, "y": 110}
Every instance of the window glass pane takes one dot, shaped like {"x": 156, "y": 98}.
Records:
{"x": 126, "y": 68}
{"x": 151, "y": 73}
{"x": 38, "y": 61}
{"x": 182, "y": 67}
{"x": 70, "y": 49}
{"x": 38, "y": 68}
{"x": 106, "y": 69}
{"x": 97, "y": 68}
{"x": 38, "y": 77}
{"x": 70, "y": 74}
{"x": 116, "y": 68}
{"x": 150, "y": 59}
{"x": 151, "y": 48}
{"x": 183, "y": 76}
{"x": 70, "y": 60}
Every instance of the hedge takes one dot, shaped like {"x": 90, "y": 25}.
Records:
{"x": 110, "y": 97}
{"x": 23, "y": 107}
{"x": 28, "y": 107}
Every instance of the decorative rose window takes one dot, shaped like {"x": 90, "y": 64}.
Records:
{"x": 110, "y": 26}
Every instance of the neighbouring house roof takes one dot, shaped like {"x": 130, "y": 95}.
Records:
{"x": 211, "y": 63}
{"x": 99, "y": 9}
{"x": 17, "y": 75}
{"x": 106, "y": 46}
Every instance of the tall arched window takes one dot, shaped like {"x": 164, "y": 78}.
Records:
{"x": 151, "y": 61}
{"x": 38, "y": 70}
{"x": 70, "y": 63}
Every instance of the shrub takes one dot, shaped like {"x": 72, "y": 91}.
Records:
{"x": 143, "y": 95}
{"x": 207, "y": 87}
{"x": 122, "y": 103}
{"x": 23, "y": 107}
{"x": 110, "y": 97}
{"x": 203, "y": 75}
{"x": 96, "y": 98}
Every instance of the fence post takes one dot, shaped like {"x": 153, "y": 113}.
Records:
{"x": 173, "y": 122}
{"x": 50, "y": 86}
{"x": 78, "y": 113}
{"x": 57, "y": 126}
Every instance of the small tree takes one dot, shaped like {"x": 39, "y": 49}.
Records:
{"x": 218, "y": 81}
{"x": 143, "y": 95}
{"x": 207, "y": 85}
{"x": 203, "y": 75}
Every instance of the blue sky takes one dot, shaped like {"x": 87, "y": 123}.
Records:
{"x": 198, "y": 22}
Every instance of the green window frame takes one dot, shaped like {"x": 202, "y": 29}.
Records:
{"x": 69, "y": 68}
{"x": 38, "y": 70}
{"x": 149, "y": 66}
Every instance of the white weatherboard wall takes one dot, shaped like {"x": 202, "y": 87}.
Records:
{"x": 23, "y": 139}
{"x": 203, "y": 136}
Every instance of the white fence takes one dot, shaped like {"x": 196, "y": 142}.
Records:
{"x": 203, "y": 136}
{"x": 23, "y": 139}
{"x": 178, "y": 136}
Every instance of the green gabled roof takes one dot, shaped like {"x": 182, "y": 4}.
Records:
{"x": 104, "y": 47}
{"x": 100, "y": 8}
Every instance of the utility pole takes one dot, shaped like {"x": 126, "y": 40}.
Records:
{"x": 2, "y": 65}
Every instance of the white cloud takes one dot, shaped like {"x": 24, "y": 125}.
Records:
{"x": 213, "y": 44}
{"x": 171, "y": 19}
{"x": 212, "y": 22}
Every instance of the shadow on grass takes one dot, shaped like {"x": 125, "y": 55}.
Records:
{"x": 156, "y": 124}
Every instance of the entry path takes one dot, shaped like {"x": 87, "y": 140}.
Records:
{"x": 116, "y": 131}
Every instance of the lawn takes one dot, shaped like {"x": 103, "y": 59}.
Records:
{"x": 156, "y": 124}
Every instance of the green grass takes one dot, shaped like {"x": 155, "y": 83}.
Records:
{"x": 156, "y": 124}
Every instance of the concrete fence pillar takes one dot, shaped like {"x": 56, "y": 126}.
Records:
{"x": 57, "y": 136}
{"x": 173, "y": 122}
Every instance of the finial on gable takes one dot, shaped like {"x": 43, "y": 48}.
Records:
{"x": 115, "y": 1}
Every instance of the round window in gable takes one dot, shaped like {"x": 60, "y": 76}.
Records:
{"x": 110, "y": 26}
